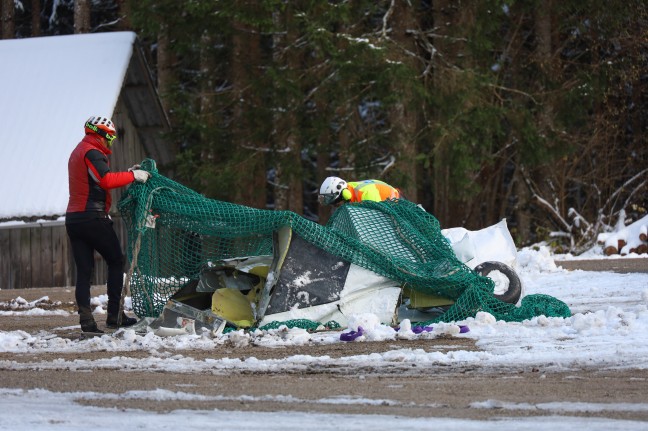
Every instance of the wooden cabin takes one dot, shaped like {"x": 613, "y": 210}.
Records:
{"x": 49, "y": 87}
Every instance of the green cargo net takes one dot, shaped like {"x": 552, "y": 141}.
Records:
{"x": 177, "y": 232}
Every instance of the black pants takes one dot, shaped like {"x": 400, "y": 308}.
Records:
{"x": 86, "y": 237}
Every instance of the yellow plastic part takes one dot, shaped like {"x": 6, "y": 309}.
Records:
{"x": 233, "y": 306}
{"x": 260, "y": 271}
{"x": 425, "y": 300}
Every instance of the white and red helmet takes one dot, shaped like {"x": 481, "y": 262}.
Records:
{"x": 103, "y": 127}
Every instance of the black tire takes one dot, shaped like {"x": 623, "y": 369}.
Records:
{"x": 512, "y": 295}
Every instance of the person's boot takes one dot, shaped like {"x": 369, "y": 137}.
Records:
{"x": 86, "y": 320}
{"x": 113, "y": 321}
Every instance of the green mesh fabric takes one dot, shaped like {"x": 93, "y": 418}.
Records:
{"x": 395, "y": 239}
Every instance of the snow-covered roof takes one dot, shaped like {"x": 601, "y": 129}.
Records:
{"x": 49, "y": 86}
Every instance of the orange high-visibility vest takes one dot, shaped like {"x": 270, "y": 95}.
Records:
{"x": 372, "y": 190}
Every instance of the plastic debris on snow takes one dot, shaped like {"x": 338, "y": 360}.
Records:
{"x": 367, "y": 327}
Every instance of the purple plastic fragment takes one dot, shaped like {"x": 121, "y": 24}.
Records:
{"x": 419, "y": 329}
{"x": 463, "y": 329}
{"x": 351, "y": 335}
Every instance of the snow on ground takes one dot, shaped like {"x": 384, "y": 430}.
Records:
{"x": 59, "y": 411}
{"x": 54, "y": 411}
{"x": 608, "y": 329}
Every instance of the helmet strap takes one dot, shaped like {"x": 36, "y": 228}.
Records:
{"x": 107, "y": 136}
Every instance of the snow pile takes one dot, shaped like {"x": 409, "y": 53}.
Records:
{"x": 40, "y": 307}
{"x": 535, "y": 259}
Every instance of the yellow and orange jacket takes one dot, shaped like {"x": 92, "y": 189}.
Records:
{"x": 370, "y": 190}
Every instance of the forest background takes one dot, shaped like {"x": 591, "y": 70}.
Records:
{"x": 534, "y": 111}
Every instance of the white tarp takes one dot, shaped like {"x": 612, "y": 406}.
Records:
{"x": 493, "y": 243}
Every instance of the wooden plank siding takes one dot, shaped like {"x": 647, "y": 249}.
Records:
{"x": 39, "y": 255}
{"x": 5, "y": 262}
{"x": 61, "y": 255}
{"x": 35, "y": 256}
{"x": 19, "y": 253}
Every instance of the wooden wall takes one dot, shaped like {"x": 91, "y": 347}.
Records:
{"x": 39, "y": 255}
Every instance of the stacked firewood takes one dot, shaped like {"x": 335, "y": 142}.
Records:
{"x": 630, "y": 239}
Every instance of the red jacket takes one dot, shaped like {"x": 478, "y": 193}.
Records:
{"x": 90, "y": 179}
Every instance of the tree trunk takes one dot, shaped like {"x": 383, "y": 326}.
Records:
{"x": 124, "y": 11}
{"x": 35, "y": 18}
{"x": 289, "y": 186}
{"x": 207, "y": 103}
{"x": 347, "y": 118}
{"x": 81, "y": 16}
{"x": 404, "y": 116}
{"x": 207, "y": 69}
{"x": 293, "y": 143}
{"x": 544, "y": 50}
{"x": 323, "y": 160}
{"x": 164, "y": 69}
{"x": 8, "y": 19}
{"x": 545, "y": 176}
{"x": 453, "y": 76}
{"x": 245, "y": 61}
{"x": 521, "y": 232}
{"x": 442, "y": 16}
{"x": 279, "y": 189}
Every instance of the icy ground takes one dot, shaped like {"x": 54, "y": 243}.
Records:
{"x": 607, "y": 331}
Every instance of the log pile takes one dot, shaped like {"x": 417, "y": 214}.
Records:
{"x": 626, "y": 239}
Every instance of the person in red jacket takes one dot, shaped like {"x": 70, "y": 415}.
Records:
{"x": 335, "y": 191}
{"x": 87, "y": 222}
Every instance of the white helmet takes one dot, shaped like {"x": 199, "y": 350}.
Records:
{"x": 103, "y": 127}
{"x": 331, "y": 190}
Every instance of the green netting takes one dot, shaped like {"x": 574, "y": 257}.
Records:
{"x": 395, "y": 239}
